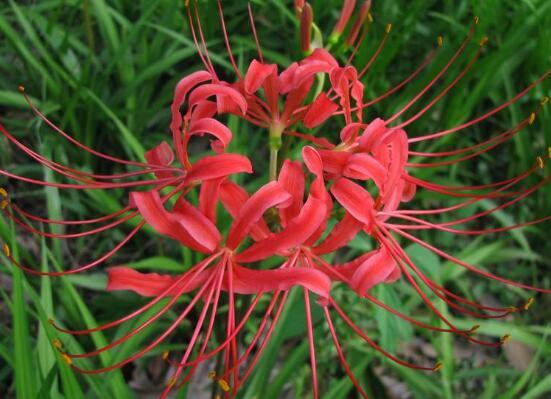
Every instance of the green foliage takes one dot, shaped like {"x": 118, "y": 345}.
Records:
{"x": 105, "y": 71}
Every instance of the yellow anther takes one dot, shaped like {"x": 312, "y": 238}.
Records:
{"x": 437, "y": 366}
{"x": 218, "y": 396}
{"x": 541, "y": 164}
{"x": 3, "y": 204}
{"x": 171, "y": 382}
{"x": 512, "y": 309}
{"x": 7, "y": 251}
{"x": 66, "y": 358}
{"x": 544, "y": 100}
{"x": 57, "y": 344}
{"x": 475, "y": 20}
{"x": 505, "y": 338}
{"x": 165, "y": 355}
{"x": 388, "y": 28}
{"x": 440, "y": 41}
{"x": 3, "y": 192}
{"x": 186, "y": 3}
{"x": 21, "y": 89}
{"x": 223, "y": 384}
{"x": 483, "y": 41}
{"x": 474, "y": 328}
{"x": 532, "y": 118}
{"x": 528, "y": 303}
{"x": 211, "y": 374}
{"x": 548, "y": 152}
{"x": 369, "y": 17}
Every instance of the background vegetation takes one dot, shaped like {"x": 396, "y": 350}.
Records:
{"x": 105, "y": 71}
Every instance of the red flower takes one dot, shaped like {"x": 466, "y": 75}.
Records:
{"x": 311, "y": 207}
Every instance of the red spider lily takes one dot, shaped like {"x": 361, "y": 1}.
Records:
{"x": 283, "y": 218}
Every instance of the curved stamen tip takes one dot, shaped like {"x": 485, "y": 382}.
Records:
{"x": 51, "y": 321}
{"x": 171, "y": 382}
{"x": 540, "y": 161}
{"x": 223, "y": 384}
{"x": 369, "y": 17}
{"x": 544, "y": 100}
{"x": 186, "y": 3}
{"x": 474, "y": 328}
{"x": 532, "y": 118}
{"x": 476, "y": 20}
{"x": 528, "y": 303}
{"x": 548, "y": 152}
{"x": 503, "y": 340}
{"x": 165, "y": 355}
{"x": 388, "y": 28}
{"x": 57, "y": 344}
{"x": 6, "y": 249}
{"x": 4, "y": 196}
{"x": 438, "y": 366}
{"x": 483, "y": 41}
{"x": 66, "y": 358}
{"x": 21, "y": 89}
{"x": 512, "y": 309}
{"x": 440, "y": 40}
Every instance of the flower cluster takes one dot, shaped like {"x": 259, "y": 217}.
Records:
{"x": 308, "y": 209}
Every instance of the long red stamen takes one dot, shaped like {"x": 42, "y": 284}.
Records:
{"x": 153, "y": 344}
{"x": 340, "y": 353}
{"x": 467, "y": 265}
{"x": 372, "y": 343}
{"x": 444, "y": 91}
{"x": 485, "y": 116}
{"x": 311, "y": 343}
{"x": 227, "y": 41}
{"x": 76, "y": 142}
{"x": 253, "y": 28}
{"x": 194, "y": 271}
{"x": 435, "y": 79}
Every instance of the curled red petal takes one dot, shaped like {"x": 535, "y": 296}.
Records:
{"x": 186, "y": 224}
{"x": 257, "y": 74}
{"x": 250, "y": 281}
{"x": 355, "y": 199}
{"x": 371, "y": 133}
{"x": 286, "y": 78}
{"x": 312, "y": 160}
{"x": 297, "y": 232}
{"x": 146, "y": 284}
{"x": 268, "y": 196}
{"x": 374, "y": 270}
{"x": 205, "y": 109}
{"x": 181, "y": 90}
{"x": 161, "y": 155}
{"x": 211, "y": 126}
{"x": 291, "y": 178}
{"x": 334, "y": 161}
{"x": 319, "y": 111}
{"x": 343, "y": 232}
{"x": 309, "y": 70}
{"x": 364, "y": 167}
{"x": 216, "y": 166}
{"x": 321, "y": 55}
{"x": 350, "y": 132}
{"x": 208, "y": 197}
{"x": 409, "y": 190}
{"x": 215, "y": 89}
{"x": 233, "y": 197}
